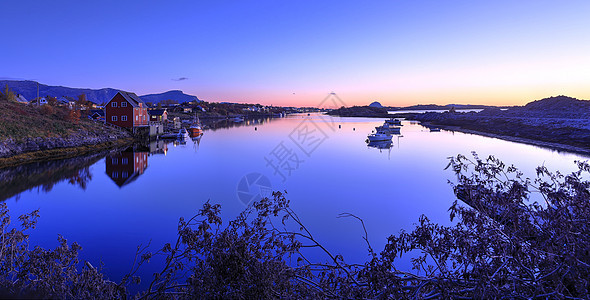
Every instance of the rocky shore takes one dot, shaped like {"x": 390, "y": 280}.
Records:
{"x": 557, "y": 122}
{"x": 13, "y": 152}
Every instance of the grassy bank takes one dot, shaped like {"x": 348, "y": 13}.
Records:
{"x": 30, "y": 133}
{"x": 60, "y": 153}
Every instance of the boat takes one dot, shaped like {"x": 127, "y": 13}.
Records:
{"x": 195, "y": 129}
{"x": 387, "y": 128}
{"x": 434, "y": 129}
{"x": 182, "y": 134}
{"x": 379, "y": 136}
{"x": 394, "y": 122}
{"x": 238, "y": 119}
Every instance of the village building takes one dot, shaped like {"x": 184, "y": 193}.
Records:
{"x": 97, "y": 114}
{"x": 126, "y": 110}
{"x": 158, "y": 115}
{"x": 38, "y": 101}
{"x": 21, "y": 99}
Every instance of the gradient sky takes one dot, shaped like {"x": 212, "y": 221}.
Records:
{"x": 296, "y": 52}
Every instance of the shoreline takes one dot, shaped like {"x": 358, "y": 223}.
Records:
{"x": 551, "y": 145}
{"x": 60, "y": 153}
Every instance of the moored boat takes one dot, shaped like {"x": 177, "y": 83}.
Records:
{"x": 195, "y": 129}
{"x": 379, "y": 136}
{"x": 394, "y": 122}
{"x": 182, "y": 134}
{"x": 388, "y": 129}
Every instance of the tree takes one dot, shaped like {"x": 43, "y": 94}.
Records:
{"x": 8, "y": 94}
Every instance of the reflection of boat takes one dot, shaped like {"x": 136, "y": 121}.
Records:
{"x": 381, "y": 144}
{"x": 195, "y": 129}
{"x": 394, "y": 122}
{"x": 379, "y": 136}
{"x": 182, "y": 134}
{"x": 238, "y": 119}
{"x": 197, "y": 141}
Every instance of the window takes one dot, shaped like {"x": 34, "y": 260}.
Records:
{"x": 123, "y": 118}
{"x": 136, "y": 118}
{"x": 115, "y": 175}
{"x": 124, "y": 174}
{"x": 114, "y": 118}
{"x": 123, "y": 104}
{"x": 114, "y": 104}
{"x": 124, "y": 160}
{"x": 114, "y": 161}
{"x": 144, "y": 117}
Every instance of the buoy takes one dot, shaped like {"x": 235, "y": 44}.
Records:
{"x": 353, "y": 129}
{"x": 339, "y": 126}
{"x": 255, "y": 128}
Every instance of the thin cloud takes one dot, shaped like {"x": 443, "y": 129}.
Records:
{"x": 180, "y": 79}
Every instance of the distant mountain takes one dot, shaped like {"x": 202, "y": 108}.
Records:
{"x": 175, "y": 95}
{"x": 375, "y": 104}
{"x": 29, "y": 90}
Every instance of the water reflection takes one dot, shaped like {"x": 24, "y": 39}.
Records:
{"x": 45, "y": 175}
{"x": 214, "y": 125}
{"x": 381, "y": 144}
{"x": 126, "y": 166}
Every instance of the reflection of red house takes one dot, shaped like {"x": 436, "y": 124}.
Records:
{"x": 126, "y": 166}
{"x": 126, "y": 110}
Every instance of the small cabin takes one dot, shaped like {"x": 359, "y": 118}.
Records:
{"x": 158, "y": 115}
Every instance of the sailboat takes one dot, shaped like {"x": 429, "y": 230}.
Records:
{"x": 195, "y": 129}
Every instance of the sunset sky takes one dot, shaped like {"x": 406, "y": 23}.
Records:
{"x": 296, "y": 52}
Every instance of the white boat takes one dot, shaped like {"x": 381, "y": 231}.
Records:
{"x": 388, "y": 129}
{"x": 434, "y": 129}
{"x": 379, "y": 136}
{"x": 394, "y": 122}
{"x": 182, "y": 134}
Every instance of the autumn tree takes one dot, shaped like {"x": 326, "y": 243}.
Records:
{"x": 8, "y": 94}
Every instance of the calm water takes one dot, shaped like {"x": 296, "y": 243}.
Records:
{"x": 112, "y": 204}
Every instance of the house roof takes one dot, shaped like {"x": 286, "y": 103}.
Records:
{"x": 132, "y": 99}
{"x": 100, "y": 112}
{"x": 156, "y": 112}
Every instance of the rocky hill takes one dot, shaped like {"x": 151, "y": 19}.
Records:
{"x": 552, "y": 107}
{"x": 177, "y": 96}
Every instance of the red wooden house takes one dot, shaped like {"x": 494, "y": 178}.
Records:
{"x": 126, "y": 110}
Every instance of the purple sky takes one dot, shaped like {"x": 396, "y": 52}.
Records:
{"x": 296, "y": 52}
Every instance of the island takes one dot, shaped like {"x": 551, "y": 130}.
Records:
{"x": 559, "y": 122}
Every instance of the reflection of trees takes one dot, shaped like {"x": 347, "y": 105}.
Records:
{"x": 215, "y": 124}
{"x": 46, "y": 175}
{"x": 81, "y": 178}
